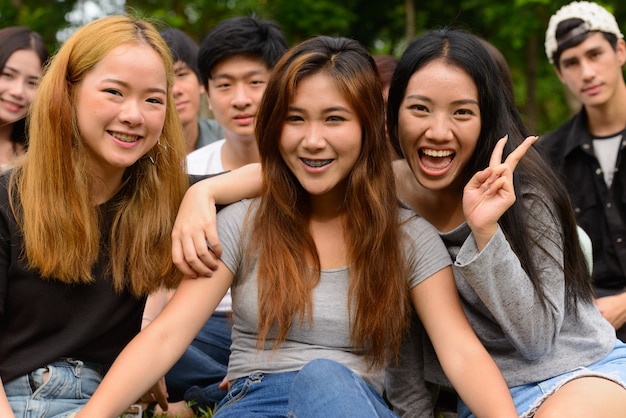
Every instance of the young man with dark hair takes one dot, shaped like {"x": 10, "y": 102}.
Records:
{"x": 587, "y": 49}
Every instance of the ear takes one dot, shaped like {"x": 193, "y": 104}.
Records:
{"x": 558, "y": 73}
{"x": 620, "y": 51}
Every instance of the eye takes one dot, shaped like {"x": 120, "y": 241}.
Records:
{"x": 257, "y": 82}
{"x": 294, "y": 118}
{"x": 335, "y": 118}
{"x": 113, "y": 92}
{"x": 6, "y": 75}
{"x": 416, "y": 107}
{"x": 155, "y": 100}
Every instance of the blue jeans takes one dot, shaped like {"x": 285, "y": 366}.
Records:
{"x": 528, "y": 398}
{"x": 197, "y": 374}
{"x": 54, "y": 391}
{"x": 323, "y": 388}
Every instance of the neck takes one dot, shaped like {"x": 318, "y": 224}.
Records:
{"x": 5, "y": 131}
{"x": 104, "y": 187}
{"x": 237, "y": 153}
{"x": 442, "y": 208}
{"x": 191, "y": 134}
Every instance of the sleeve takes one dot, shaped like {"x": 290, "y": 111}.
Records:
{"x": 230, "y": 221}
{"x": 5, "y": 244}
{"x": 426, "y": 253}
{"x": 405, "y": 387}
{"x": 499, "y": 281}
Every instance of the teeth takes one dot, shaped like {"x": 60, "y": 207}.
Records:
{"x": 438, "y": 154}
{"x": 124, "y": 137}
{"x": 316, "y": 163}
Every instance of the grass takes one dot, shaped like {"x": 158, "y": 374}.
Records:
{"x": 204, "y": 413}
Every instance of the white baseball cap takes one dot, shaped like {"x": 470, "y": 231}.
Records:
{"x": 594, "y": 17}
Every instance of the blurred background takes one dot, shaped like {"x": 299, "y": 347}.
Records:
{"x": 515, "y": 27}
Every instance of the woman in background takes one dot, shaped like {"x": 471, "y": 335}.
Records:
{"x": 22, "y": 57}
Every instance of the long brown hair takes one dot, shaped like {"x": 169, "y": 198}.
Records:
{"x": 55, "y": 210}
{"x": 378, "y": 292}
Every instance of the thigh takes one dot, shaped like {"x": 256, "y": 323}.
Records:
{"x": 328, "y": 389}
{"x": 258, "y": 395}
{"x": 586, "y": 397}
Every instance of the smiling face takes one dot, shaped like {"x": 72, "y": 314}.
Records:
{"x": 321, "y": 138}
{"x": 120, "y": 108}
{"x": 18, "y": 84}
{"x": 439, "y": 124}
{"x": 592, "y": 70}
{"x": 235, "y": 90}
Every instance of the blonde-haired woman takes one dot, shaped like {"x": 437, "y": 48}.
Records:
{"x": 85, "y": 220}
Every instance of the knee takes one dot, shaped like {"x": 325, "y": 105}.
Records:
{"x": 319, "y": 369}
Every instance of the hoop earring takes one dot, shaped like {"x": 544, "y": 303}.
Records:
{"x": 161, "y": 147}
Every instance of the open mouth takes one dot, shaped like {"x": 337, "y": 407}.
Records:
{"x": 436, "y": 159}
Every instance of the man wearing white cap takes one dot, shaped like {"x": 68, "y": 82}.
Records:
{"x": 587, "y": 49}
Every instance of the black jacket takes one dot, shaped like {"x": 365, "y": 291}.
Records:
{"x": 600, "y": 211}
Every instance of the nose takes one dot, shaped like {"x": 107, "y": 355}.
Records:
{"x": 131, "y": 113}
{"x": 176, "y": 89}
{"x": 241, "y": 96}
{"x": 587, "y": 69}
{"x": 313, "y": 139}
{"x": 17, "y": 88}
{"x": 439, "y": 128}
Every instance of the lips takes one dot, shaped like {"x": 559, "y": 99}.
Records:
{"x": 125, "y": 137}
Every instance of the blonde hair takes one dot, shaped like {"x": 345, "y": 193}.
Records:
{"x": 60, "y": 223}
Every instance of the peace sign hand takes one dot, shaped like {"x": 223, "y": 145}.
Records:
{"x": 490, "y": 192}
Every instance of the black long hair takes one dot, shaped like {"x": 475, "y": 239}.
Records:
{"x": 499, "y": 117}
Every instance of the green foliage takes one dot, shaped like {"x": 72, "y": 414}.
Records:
{"x": 515, "y": 27}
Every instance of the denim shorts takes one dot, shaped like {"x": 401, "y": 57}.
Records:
{"x": 528, "y": 398}
{"x": 54, "y": 391}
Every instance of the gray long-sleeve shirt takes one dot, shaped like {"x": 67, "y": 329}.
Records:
{"x": 528, "y": 340}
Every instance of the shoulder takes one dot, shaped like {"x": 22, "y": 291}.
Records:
{"x": 562, "y": 133}
{"x": 199, "y": 161}
{"x": 209, "y": 132}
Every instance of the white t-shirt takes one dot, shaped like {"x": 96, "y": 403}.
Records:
{"x": 207, "y": 159}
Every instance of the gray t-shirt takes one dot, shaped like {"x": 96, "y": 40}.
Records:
{"x": 329, "y": 334}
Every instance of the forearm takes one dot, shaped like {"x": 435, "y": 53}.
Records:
{"x": 480, "y": 385}
{"x": 242, "y": 183}
{"x": 5, "y": 408}
{"x": 154, "y": 305}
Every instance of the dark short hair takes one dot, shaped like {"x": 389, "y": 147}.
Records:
{"x": 250, "y": 36}
{"x": 565, "y": 27}
{"x": 182, "y": 47}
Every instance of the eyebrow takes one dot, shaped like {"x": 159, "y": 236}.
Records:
{"x": 325, "y": 110}
{"x": 456, "y": 102}
{"x": 127, "y": 85}
{"x": 230, "y": 76}
{"x": 592, "y": 50}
